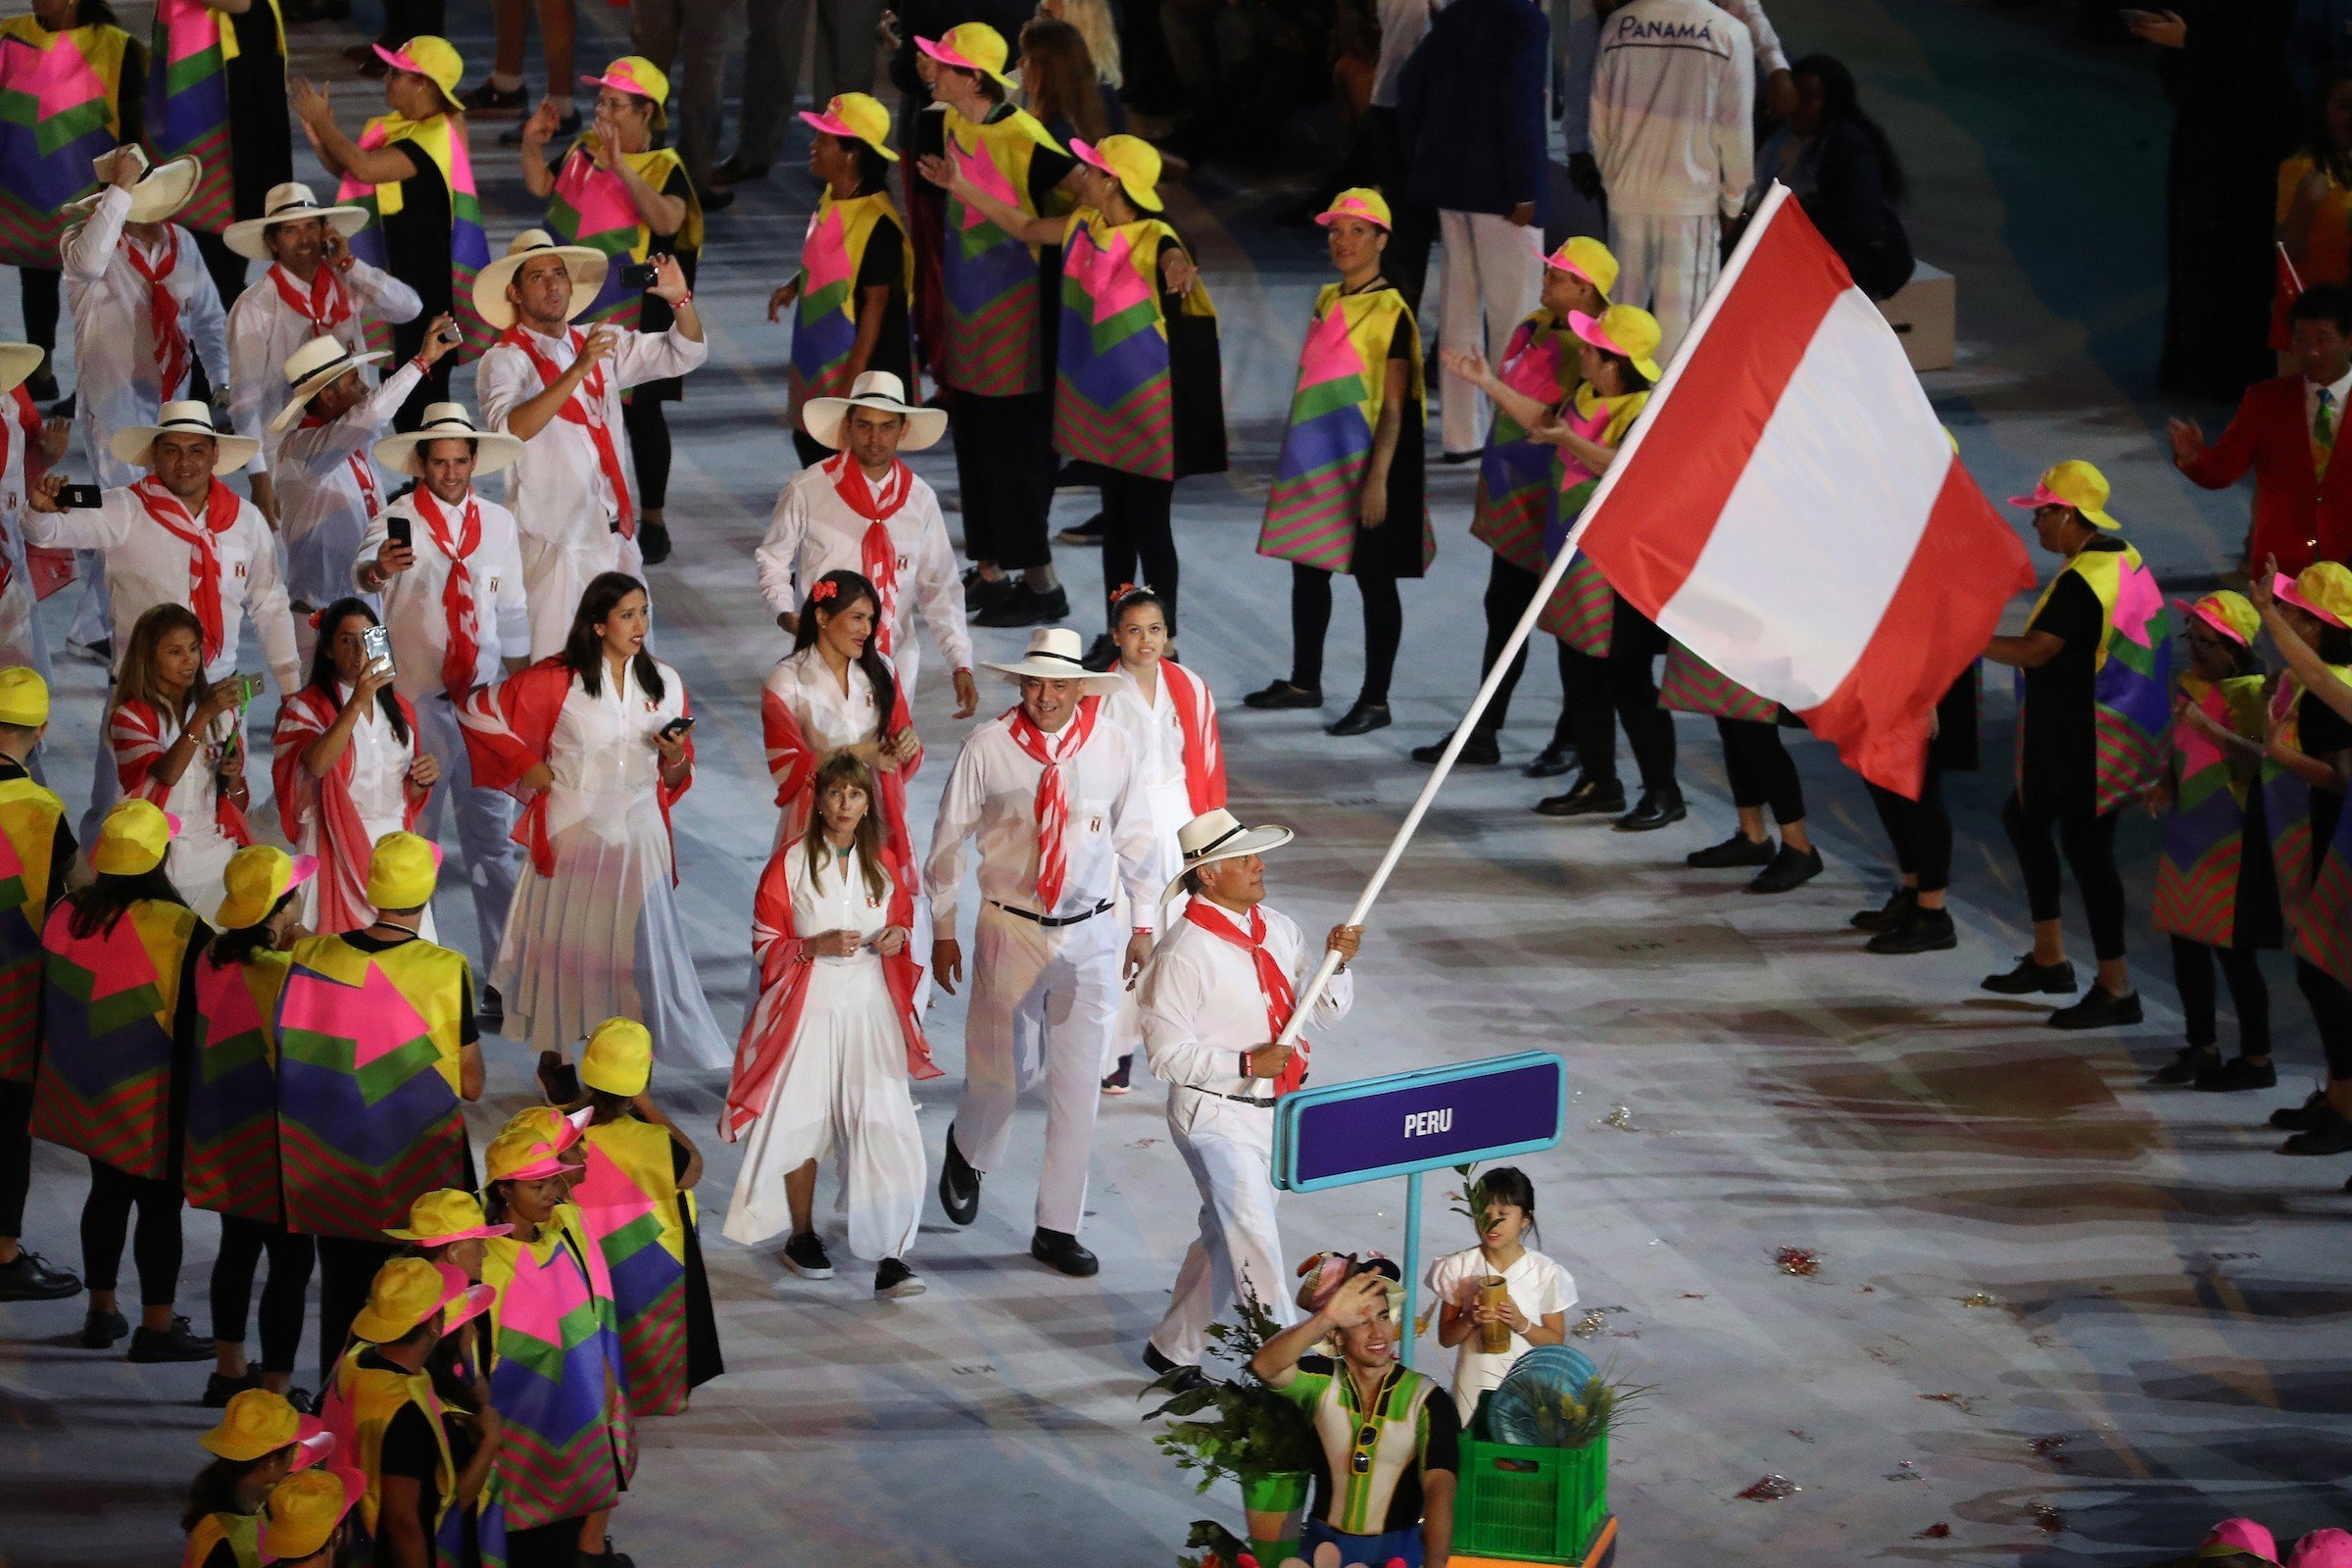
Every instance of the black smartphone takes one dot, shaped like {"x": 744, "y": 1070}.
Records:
{"x": 640, "y": 274}
{"x": 396, "y": 529}
{"x": 77, "y": 497}
{"x": 677, "y": 726}
{"x": 451, "y": 333}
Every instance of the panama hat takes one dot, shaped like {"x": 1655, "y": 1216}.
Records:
{"x": 1358, "y": 201}
{"x": 291, "y": 202}
{"x": 875, "y": 389}
{"x": 620, "y": 1059}
{"x": 2323, "y": 589}
{"x": 161, "y": 191}
{"x": 855, "y": 117}
{"x": 1130, "y": 161}
{"x": 971, "y": 46}
{"x": 2226, "y": 613}
{"x": 304, "y": 1511}
{"x": 2072, "y": 483}
{"x": 132, "y": 839}
{"x": 586, "y": 266}
{"x": 448, "y": 1214}
{"x": 1589, "y": 259}
{"x": 131, "y": 443}
{"x": 493, "y": 449}
{"x": 1218, "y": 835}
{"x": 18, "y": 361}
{"x": 24, "y": 697}
{"x": 407, "y": 1291}
{"x": 1626, "y": 330}
{"x": 313, "y": 368}
{"x": 401, "y": 870}
{"x": 436, "y": 60}
{"x": 258, "y": 877}
{"x": 258, "y": 1422}
{"x": 1055, "y": 653}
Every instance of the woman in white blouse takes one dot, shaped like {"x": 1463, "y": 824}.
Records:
{"x": 836, "y": 691}
{"x": 346, "y": 768}
{"x": 175, "y": 742}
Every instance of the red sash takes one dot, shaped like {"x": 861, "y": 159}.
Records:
{"x": 1204, "y": 751}
{"x": 1271, "y": 981}
{"x": 877, "y": 558}
{"x": 343, "y": 842}
{"x": 608, "y": 451}
{"x": 204, "y": 554}
{"x": 326, "y": 306}
{"x": 163, "y": 310}
{"x": 462, "y": 655}
{"x": 1051, "y": 752}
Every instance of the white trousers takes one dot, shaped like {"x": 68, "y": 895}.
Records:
{"x": 485, "y": 821}
{"x": 1494, "y": 275}
{"x": 1666, "y": 265}
{"x": 1229, "y": 1146}
{"x": 1041, "y": 1013}
{"x": 557, "y": 573}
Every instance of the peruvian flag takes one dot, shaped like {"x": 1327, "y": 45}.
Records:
{"x": 1790, "y": 509}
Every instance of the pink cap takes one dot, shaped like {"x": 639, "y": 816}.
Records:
{"x": 2042, "y": 496}
{"x": 313, "y": 1443}
{"x": 621, "y": 77}
{"x": 2233, "y": 1536}
{"x": 1084, "y": 151}
{"x": 937, "y": 49}
{"x": 1589, "y": 329}
{"x": 2323, "y": 1549}
{"x": 305, "y": 867}
{"x": 2284, "y": 587}
{"x": 1353, "y": 204}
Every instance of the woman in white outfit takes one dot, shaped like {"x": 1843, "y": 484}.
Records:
{"x": 833, "y": 1040}
{"x": 346, "y": 769}
{"x": 596, "y": 743}
{"x": 175, "y": 742}
{"x": 1171, "y": 723}
{"x": 837, "y": 691}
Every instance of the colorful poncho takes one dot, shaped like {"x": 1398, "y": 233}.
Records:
{"x": 629, "y": 1199}
{"x": 110, "y": 1003}
{"x": 824, "y": 322}
{"x": 28, "y": 819}
{"x": 2320, "y": 927}
{"x": 230, "y": 1159}
{"x": 360, "y": 1403}
{"x": 242, "y": 1531}
{"x": 2285, "y": 798}
{"x": 994, "y": 346}
{"x": 1518, "y": 479}
{"x": 187, "y": 102}
{"x": 558, "y": 1376}
{"x": 1691, "y": 685}
{"x": 1114, "y": 393}
{"x": 2204, "y": 832}
{"x": 2132, "y": 687}
{"x": 1311, "y": 511}
{"x": 435, "y": 138}
{"x": 593, "y": 207}
{"x": 1582, "y": 609}
{"x": 368, "y": 1054}
{"x": 61, "y": 99}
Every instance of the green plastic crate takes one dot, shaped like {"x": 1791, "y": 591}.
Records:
{"x": 1530, "y": 1505}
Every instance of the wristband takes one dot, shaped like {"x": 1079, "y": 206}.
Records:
{"x": 1248, "y": 1066}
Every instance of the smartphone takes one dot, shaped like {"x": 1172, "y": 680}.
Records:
{"x": 677, "y": 726}
{"x": 78, "y": 498}
{"x": 247, "y": 687}
{"x": 451, "y": 333}
{"x": 377, "y": 644}
{"x": 396, "y": 529}
{"x": 640, "y": 274}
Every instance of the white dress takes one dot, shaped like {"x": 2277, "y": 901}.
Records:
{"x": 601, "y": 937}
{"x": 843, "y": 1086}
{"x": 1539, "y": 1287}
{"x": 200, "y": 852}
{"x": 379, "y": 773}
{"x": 1156, "y": 734}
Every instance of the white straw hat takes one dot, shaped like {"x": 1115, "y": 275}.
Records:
{"x": 1218, "y": 835}
{"x": 131, "y": 443}
{"x": 493, "y": 449}
{"x": 313, "y": 368}
{"x": 17, "y": 361}
{"x": 586, "y": 266}
{"x": 161, "y": 191}
{"x": 1055, "y": 653}
{"x": 289, "y": 203}
{"x": 875, "y": 389}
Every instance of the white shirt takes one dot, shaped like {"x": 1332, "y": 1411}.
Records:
{"x": 2336, "y": 393}
{"x": 412, "y": 608}
{"x": 992, "y": 797}
{"x": 829, "y": 717}
{"x": 322, "y": 508}
{"x": 837, "y": 901}
{"x": 601, "y": 753}
{"x": 264, "y": 331}
{"x": 812, "y": 531}
{"x": 1201, "y": 1006}
{"x": 117, "y": 377}
{"x": 1673, "y": 102}
{"x": 1153, "y": 728}
{"x": 380, "y": 768}
{"x": 1580, "y": 40}
{"x": 147, "y": 564}
{"x": 1538, "y": 1285}
{"x": 1403, "y": 23}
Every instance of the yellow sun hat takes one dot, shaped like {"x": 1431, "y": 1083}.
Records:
{"x": 1358, "y": 201}
{"x": 448, "y": 1214}
{"x": 401, "y": 871}
{"x": 635, "y": 75}
{"x": 257, "y": 1422}
{"x": 2231, "y": 614}
{"x": 972, "y": 46}
{"x": 258, "y": 877}
{"x": 855, "y": 117}
{"x": 24, "y": 697}
{"x": 521, "y": 1154}
{"x": 2072, "y": 483}
{"x": 132, "y": 840}
{"x": 1626, "y": 330}
{"x": 620, "y": 1059}
{"x": 1130, "y": 161}
{"x": 2324, "y": 588}
{"x": 1589, "y": 259}
{"x": 436, "y": 60}
{"x": 407, "y": 1291}
{"x": 304, "y": 1511}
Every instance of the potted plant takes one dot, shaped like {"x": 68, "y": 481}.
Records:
{"x": 1239, "y": 1426}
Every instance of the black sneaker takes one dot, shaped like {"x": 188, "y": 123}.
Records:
{"x": 100, "y": 1330}
{"x": 489, "y": 101}
{"x": 1174, "y": 1375}
{"x": 1027, "y": 607}
{"x": 735, "y": 169}
{"x": 1282, "y": 694}
{"x": 805, "y": 1255}
{"x": 2098, "y": 1009}
{"x": 1887, "y": 916}
{"x": 1737, "y": 850}
{"x": 1060, "y": 1251}
{"x": 607, "y": 1558}
{"x": 1089, "y": 532}
{"x": 2238, "y": 1072}
{"x": 652, "y": 542}
{"x": 2300, "y": 1118}
{"x": 981, "y": 594}
{"x": 31, "y": 1277}
{"x": 1584, "y": 798}
{"x": 2189, "y": 1064}
{"x": 894, "y": 1279}
{"x": 1655, "y": 810}
{"x": 1100, "y": 654}
{"x": 218, "y": 1390}
{"x": 1361, "y": 719}
{"x": 1551, "y": 763}
{"x": 565, "y": 128}
{"x": 1921, "y": 931}
{"x": 2331, "y": 1135}
{"x": 490, "y": 1012}
{"x": 718, "y": 199}
{"x": 1116, "y": 1083}
{"x": 959, "y": 1182}
{"x": 1479, "y": 750}
{"x": 2029, "y": 978}
{"x": 179, "y": 1342}
{"x": 1790, "y": 869}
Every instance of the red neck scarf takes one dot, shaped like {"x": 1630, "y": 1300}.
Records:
{"x": 460, "y": 655}
{"x": 1053, "y": 753}
{"x": 591, "y": 416}
{"x": 1218, "y": 922}
{"x": 877, "y": 558}
{"x": 324, "y": 305}
{"x": 204, "y": 549}
{"x": 362, "y": 469}
{"x": 162, "y": 309}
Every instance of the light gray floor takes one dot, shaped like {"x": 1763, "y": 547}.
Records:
{"x": 2159, "y": 1280}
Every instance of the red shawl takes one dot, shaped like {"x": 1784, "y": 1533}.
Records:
{"x": 136, "y": 734}
{"x": 791, "y": 762}
{"x": 344, "y": 846}
{"x": 1204, "y": 751}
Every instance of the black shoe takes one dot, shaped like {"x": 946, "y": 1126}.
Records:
{"x": 1282, "y": 694}
{"x": 2331, "y": 1134}
{"x": 2097, "y": 1010}
{"x": 487, "y": 102}
{"x": 1089, "y": 532}
{"x": 1361, "y": 719}
{"x": 2300, "y": 1118}
{"x": 1551, "y": 763}
{"x": 490, "y": 1012}
{"x": 982, "y": 594}
{"x": 41, "y": 385}
{"x": 179, "y": 1342}
{"x": 959, "y": 1182}
{"x": 2228, "y": 1077}
{"x": 1655, "y": 810}
{"x": 1479, "y": 750}
{"x": 1889, "y": 915}
{"x": 1790, "y": 869}
{"x": 735, "y": 169}
{"x": 2029, "y": 978}
{"x": 1173, "y": 1376}
{"x": 652, "y": 542}
{"x": 1921, "y": 931}
{"x": 2189, "y": 1064}
{"x": 565, "y": 128}
{"x": 1116, "y": 1083}
{"x": 1059, "y": 1250}
{"x": 1586, "y": 797}
{"x": 1027, "y": 607}
{"x": 894, "y": 1279}
{"x": 102, "y": 1329}
{"x": 1737, "y": 850}
{"x": 31, "y": 1277}
{"x": 217, "y": 1390}
{"x": 607, "y": 1558}
{"x": 1100, "y": 654}
{"x": 805, "y": 1255}
{"x": 718, "y": 199}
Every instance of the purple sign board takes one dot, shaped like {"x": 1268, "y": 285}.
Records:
{"x": 1418, "y": 1121}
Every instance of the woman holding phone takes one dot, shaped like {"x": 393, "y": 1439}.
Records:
{"x": 175, "y": 742}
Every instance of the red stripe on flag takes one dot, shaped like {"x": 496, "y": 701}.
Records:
{"x": 1944, "y": 611}
{"x": 1697, "y": 443}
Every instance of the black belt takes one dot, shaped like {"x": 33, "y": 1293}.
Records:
{"x": 1266, "y": 1103}
{"x": 1052, "y": 921}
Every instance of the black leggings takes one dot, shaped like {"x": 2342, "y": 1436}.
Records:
{"x": 1760, "y": 768}
{"x": 41, "y": 288}
{"x": 1510, "y": 589}
{"x": 648, "y": 449}
{"x": 291, "y": 1256}
{"x": 345, "y": 1269}
{"x": 2193, "y": 965}
{"x": 1136, "y": 530}
{"x": 1920, "y": 830}
{"x": 16, "y": 1155}
{"x": 2087, "y": 840}
{"x": 2332, "y": 1010}
{"x": 1620, "y": 688}
{"x": 1310, "y": 619}
{"x": 154, "y": 1250}
{"x": 549, "y": 1545}
{"x": 1005, "y": 468}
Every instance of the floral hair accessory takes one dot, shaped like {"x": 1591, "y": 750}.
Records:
{"x": 315, "y": 614}
{"x": 823, "y": 591}
{"x": 1121, "y": 592}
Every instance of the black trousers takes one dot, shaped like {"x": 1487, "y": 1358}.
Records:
{"x": 1138, "y": 540}
{"x": 42, "y": 291}
{"x": 106, "y": 1222}
{"x": 345, "y": 1269}
{"x": 2193, "y": 964}
{"x": 2331, "y": 1010}
{"x": 409, "y": 19}
{"x": 2087, "y": 841}
{"x": 16, "y": 1155}
{"x": 1622, "y": 688}
{"x": 1921, "y": 830}
{"x": 648, "y": 449}
{"x": 1005, "y": 468}
{"x": 1510, "y": 589}
{"x": 1310, "y": 619}
{"x": 1760, "y": 768}
{"x": 552, "y": 1545}
{"x": 291, "y": 1257}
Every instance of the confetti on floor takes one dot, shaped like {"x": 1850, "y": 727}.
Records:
{"x": 1769, "y": 1489}
{"x": 1801, "y": 1261}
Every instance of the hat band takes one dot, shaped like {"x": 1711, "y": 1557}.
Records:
{"x": 171, "y": 425}
{"x": 1212, "y": 846}
{"x": 297, "y": 210}
{"x": 339, "y": 361}
{"x": 1061, "y": 659}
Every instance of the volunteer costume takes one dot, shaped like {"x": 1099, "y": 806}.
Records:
{"x": 569, "y": 490}
{"x": 327, "y": 484}
{"x": 212, "y": 825}
{"x": 337, "y": 819}
{"x": 2320, "y": 921}
{"x": 1061, "y": 824}
{"x": 594, "y": 931}
{"x": 854, "y": 243}
{"x": 1672, "y": 126}
{"x": 1538, "y": 1287}
{"x": 385, "y": 1417}
{"x": 457, "y": 617}
{"x": 20, "y": 640}
{"x": 831, "y": 517}
{"x": 38, "y": 850}
{"x": 217, "y": 91}
{"x": 1221, "y": 983}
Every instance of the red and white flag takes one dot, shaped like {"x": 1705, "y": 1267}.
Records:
{"x": 1790, "y": 509}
